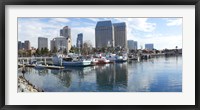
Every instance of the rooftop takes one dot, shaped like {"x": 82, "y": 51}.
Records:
{"x": 119, "y": 24}
{"x": 104, "y": 23}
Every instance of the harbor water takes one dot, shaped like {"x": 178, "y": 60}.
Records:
{"x": 161, "y": 74}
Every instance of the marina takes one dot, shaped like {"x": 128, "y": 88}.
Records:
{"x": 158, "y": 74}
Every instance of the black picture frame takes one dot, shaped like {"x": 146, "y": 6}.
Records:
{"x": 99, "y": 2}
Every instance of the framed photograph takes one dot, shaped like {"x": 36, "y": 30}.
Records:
{"x": 103, "y": 54}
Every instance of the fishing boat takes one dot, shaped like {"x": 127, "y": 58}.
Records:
{"x": 70, "y": 62}
{"x": 78, "y": 63}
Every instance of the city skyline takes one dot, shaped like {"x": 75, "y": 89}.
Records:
{"x": 162, "y": 32}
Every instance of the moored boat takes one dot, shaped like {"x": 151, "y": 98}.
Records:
{"x": 122, "y": 58}
{"x": 76, "y": 63}
{"x": 94, "y": 61}
{"x": 39, "y": 66}
{"x": 111, "y": 58}
{"x": 103, "y": 60}
{"x": 69, "y": 62}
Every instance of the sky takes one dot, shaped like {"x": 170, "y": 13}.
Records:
{"x": 162, "y": 32}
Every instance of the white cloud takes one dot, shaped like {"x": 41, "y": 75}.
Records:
{"x": 162, "y": 42}
{"x": 94, "y": 19}
{"x": 140, "y": 24}
{"x": 31, "y": 29}
{"x": 63, "y": 20}
{"x": 174, "y": 22}
{"x": 88, "y": 34}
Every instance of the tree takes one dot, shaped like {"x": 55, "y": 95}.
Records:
{"x": 110, "y": 49}
{"x": 157, "y": 51}
{"x": 42, "y": 51}
{"x": 46, "y": 51}
{"x": 65, "y": 51}
{"x": 94, "y": 50}
{"x": 103, "y": 49}
{"x": 21, "y": 53}
{"x": 29, "y": 53}
{"x": 72, "y": 49}
{"x": 38, "y": 52}
{"x": 55, "y": 50}
{"x": 87, "y": 48}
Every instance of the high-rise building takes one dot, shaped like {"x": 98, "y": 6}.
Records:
{"x": 110, "y": 35}
{"x": 60, "y": 43}
{"x": 79, "y": 41}
{"x": 149, "y": 46}
{"x": 20, "y": 45}
{"x": 132, "y": 45}
{"x": 135, "y": 45}
{"x": 42, "y": 43}
{"x": 120, "y": 35}
{"x": 104, "y": 34}
{"x": 24, "y": 45}
{"x": 52, "y": 44}
{"x": 66, "y": 32}
{"x": 27, "y": 45}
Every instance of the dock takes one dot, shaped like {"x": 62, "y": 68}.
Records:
{"x": 54, "y": 67}
{"x": 43, "y": 66}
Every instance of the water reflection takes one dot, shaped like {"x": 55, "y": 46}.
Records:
{"x": 161, "y": 74}
{"x": 64, "y": 76}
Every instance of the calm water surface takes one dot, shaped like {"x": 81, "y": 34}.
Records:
{"x": 162, "y": 74}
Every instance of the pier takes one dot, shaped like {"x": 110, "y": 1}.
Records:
{"x": 26, "y": 60}
{"x": 47, "y": 62}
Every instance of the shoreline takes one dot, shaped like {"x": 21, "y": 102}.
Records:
{"x": 25, "y": 86}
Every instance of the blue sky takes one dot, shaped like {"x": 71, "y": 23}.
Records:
{"x": 163, "y": 32}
